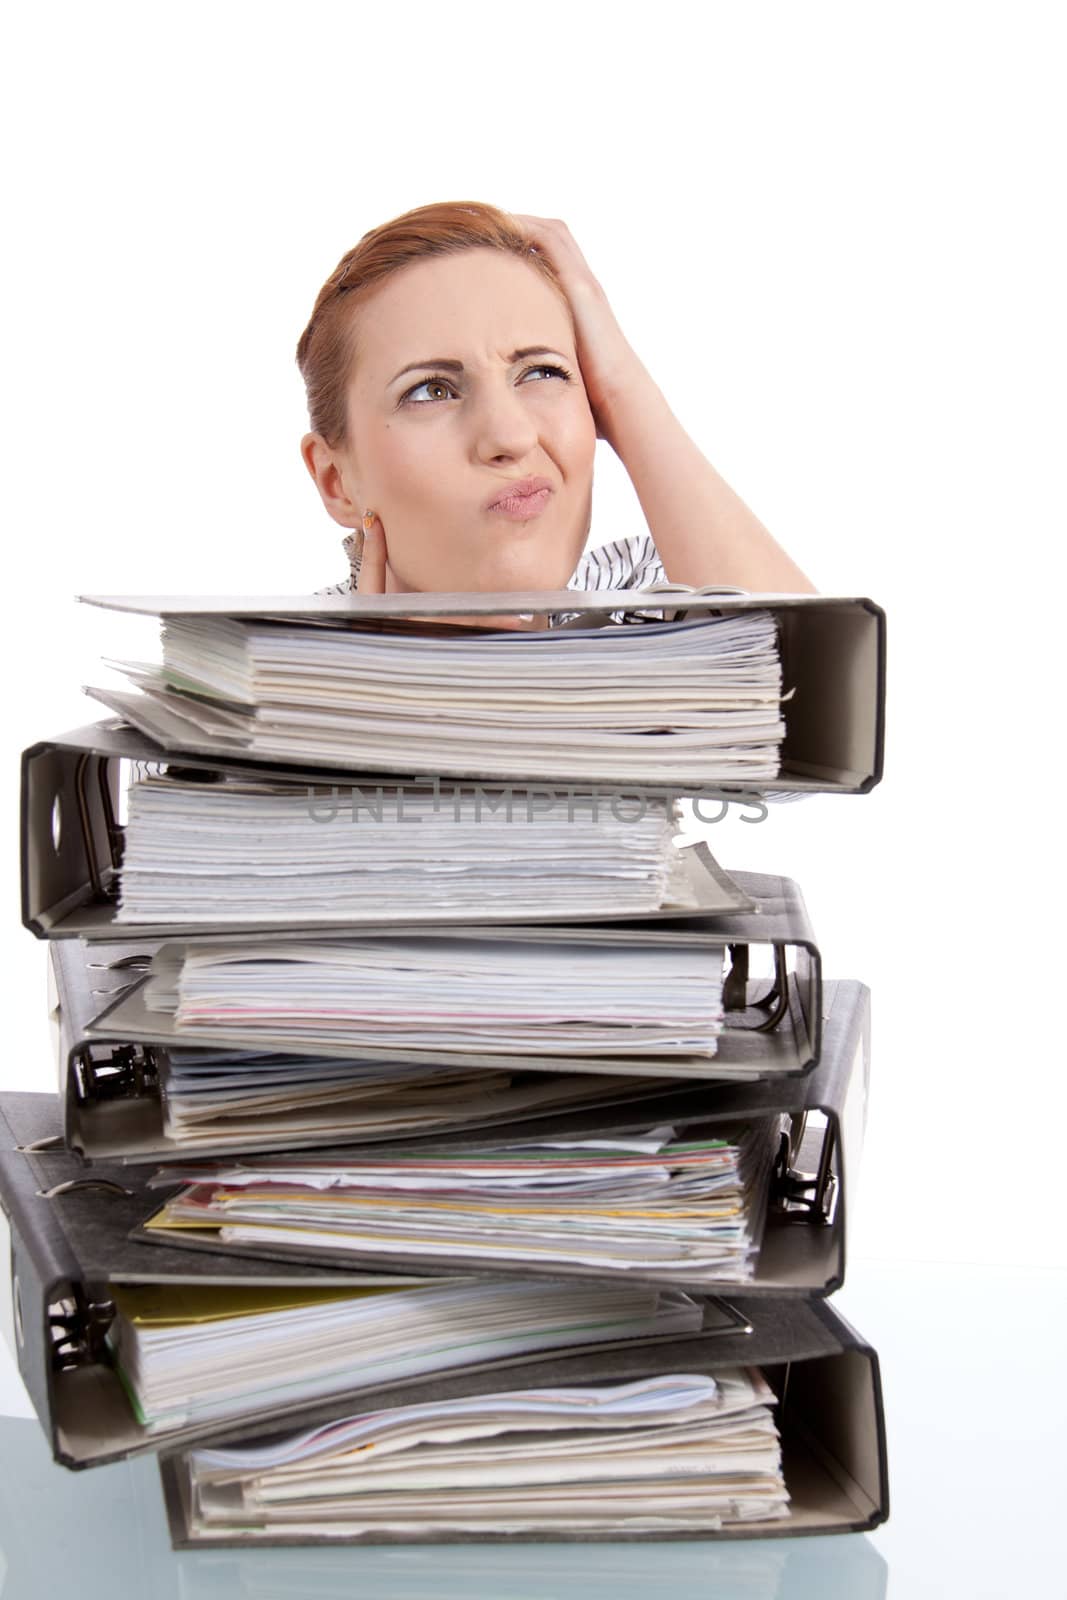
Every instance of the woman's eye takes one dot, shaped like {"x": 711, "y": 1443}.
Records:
{"x": 427, "y": 383}
{"x": 445, "y": 387}
{"x": 557, "y": 371}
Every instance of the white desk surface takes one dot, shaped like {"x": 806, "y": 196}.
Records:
{"x": 976, "y": 1418}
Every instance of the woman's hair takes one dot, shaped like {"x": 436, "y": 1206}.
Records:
{"x": 327, "y": 347}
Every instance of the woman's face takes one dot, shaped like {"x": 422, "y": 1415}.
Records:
{"x": 444, "y": 413}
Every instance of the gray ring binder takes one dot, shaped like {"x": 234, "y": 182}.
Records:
{"x": 77, "y": 1185}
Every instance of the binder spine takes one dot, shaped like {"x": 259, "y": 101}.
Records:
{"x": 77, "y": 1327}
{"x": 735, "y": 990}
{"x": 853, "y": 1116}
{"x": 51, "y": 1310}
{"x": 113, "y": 1071}
{"x": 821, "y": 1147}
{"x": 805, "y": 1196}
{"x": 71, "y": 840}
{"x": 94, "y": 1074}
{"x": 846, "y": 1412}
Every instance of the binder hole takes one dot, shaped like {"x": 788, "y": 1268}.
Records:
{"x": 57, "y": 824}
{"x": 16, "y": 1308}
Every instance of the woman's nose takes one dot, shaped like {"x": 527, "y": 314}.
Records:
{"x": 502, "y": 423}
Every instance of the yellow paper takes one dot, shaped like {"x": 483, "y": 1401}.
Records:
{"x": 162, "y": 1304}
{"x": 162, "y": 1219}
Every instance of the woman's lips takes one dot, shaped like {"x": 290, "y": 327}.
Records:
{"x": 521, "y": 507}
{"x": 521, "y": 499}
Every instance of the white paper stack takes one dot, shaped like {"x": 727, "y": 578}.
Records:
{"x": 235, "y": 850}
{"x": 230, "y": 1097}
{"x": 674, "y": 702}
{"x": 674, "y": 1453}
{"x": 646, "y": 1204}
{"x": 188, "y": 1355}
{"x": 659, "y": 997}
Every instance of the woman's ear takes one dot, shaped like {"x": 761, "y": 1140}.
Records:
{"x": 331, "y": 480}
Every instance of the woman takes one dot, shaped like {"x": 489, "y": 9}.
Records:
{"x": 460, "y": 365}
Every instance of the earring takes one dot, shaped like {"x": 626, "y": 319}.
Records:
{"x": 368, "y": 520}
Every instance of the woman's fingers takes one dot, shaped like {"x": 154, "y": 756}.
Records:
{"x": 546, "y": 232}
{"x": 554, "y": 239}
{"x": 371, "y": 578}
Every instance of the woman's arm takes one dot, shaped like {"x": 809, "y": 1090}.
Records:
{"x": 704, "y": 532}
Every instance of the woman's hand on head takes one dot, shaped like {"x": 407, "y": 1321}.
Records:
{"x": 606, "y": 358}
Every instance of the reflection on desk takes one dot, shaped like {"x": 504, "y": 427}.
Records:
{"x": 108, "y": 1526}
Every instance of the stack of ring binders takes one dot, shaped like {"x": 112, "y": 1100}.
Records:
{"x": 89, "y": 1178}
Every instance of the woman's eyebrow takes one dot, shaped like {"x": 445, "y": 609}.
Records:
{"x": 457, "y": 366}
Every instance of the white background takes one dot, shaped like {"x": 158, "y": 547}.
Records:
{"x": 832, "y": 233}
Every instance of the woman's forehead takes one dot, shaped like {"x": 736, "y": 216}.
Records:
{"x": 475, "y": 303}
